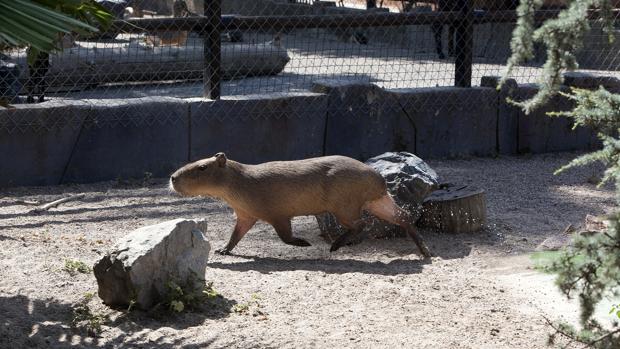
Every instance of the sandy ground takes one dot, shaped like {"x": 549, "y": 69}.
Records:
{"x": 479, "y": 292}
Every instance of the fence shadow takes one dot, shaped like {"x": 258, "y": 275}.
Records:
{"x": 43, "y": 323}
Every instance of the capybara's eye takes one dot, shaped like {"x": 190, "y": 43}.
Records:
{"x": 202, "y": 167}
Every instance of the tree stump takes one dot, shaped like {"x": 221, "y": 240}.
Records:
{"x": 454, "y": 209}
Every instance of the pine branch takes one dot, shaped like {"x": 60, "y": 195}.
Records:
{"x": 603, "y": 337}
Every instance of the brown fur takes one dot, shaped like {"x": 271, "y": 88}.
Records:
{"x": 277, "y": 191}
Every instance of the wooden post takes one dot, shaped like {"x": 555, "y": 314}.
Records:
{"x": 212, "y": 48}
{"x": 464, "y": 45}
{"x": 371, "y": 4}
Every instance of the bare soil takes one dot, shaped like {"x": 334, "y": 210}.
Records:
{"x": 479, "y": 292}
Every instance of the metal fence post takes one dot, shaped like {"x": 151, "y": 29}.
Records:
{"x": 212, "y": 48}
{"x": 464, "y": 45}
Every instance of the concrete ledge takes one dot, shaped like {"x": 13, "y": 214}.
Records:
{"x": 259, "y": 128}
{"x": 92, "y": 140}
{"x": 364, "y": 120}
{"x": 508, "y": 115}
{"x": 540, "y": 133}
{"x": 451, "y": 121}
{"x": 127, "y": 138}
{"x": 591, "y": 81}
{"x": 36, "y": 141}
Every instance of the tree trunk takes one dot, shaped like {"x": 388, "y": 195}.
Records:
{"x": 455, "y": 209}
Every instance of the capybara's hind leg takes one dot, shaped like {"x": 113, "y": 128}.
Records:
{"x": 342, "y": 239}
{"x": 241, "y": 228}
{"x": 386, "y": 209}
{"x": 283, "y": 228}
{"x": 354, "y": 227}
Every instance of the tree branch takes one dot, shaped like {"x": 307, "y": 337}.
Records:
{"x": 56, "y": 203}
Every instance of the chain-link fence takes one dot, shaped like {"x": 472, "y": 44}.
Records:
{"x": 236, "y": 50}
{"x": 271, "y": 46}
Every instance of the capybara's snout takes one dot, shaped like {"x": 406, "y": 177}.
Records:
{"x": 175, "y": 183}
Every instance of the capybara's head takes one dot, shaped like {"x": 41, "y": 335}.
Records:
{"x": 200, "y": 178}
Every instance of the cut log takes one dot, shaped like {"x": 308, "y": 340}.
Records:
{"x": 454, "y": 209}
{"x": 91, "y": 63}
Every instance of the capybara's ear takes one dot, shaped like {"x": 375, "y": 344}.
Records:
{"x": 220, "y": 158}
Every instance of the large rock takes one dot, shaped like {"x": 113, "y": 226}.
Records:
{"x": 408, "y": 177}
{"x": 409, "y": 180}
{"x": 143, "y": 262}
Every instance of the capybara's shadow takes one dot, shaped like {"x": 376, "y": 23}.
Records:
{"x": 268, "y": 265}
{"x": 444, "y": 246}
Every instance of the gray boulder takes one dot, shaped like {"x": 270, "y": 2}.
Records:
{"x": 142, "y": 263}
{"x": 409, "y": 180}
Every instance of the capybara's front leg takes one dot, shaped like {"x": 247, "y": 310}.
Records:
{"x": 241, "y": 228}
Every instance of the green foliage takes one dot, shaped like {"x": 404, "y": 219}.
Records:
{"x": 86, "y": 11}
{"x": 615, "y": 310}
{"x": 590, "y": 269}
{"x": 85, "y": 319}
{"x": 188, "y": 296}
{"x": 40, "y": 23}
{"x": 252, "y": 307}
{"x": 593, "y": 276}
{"x": 73, "y": 267}
{"x": 561, "y": 36}
{"x": 544, "y": 260}
{"x": 241, "y": 308}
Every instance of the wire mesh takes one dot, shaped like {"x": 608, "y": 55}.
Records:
{"x": 165, "y": 48}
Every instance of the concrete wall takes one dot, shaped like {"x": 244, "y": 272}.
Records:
{"x": 91, "y": 140}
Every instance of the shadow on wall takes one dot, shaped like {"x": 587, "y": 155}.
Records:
{"x": 27, "y": 322}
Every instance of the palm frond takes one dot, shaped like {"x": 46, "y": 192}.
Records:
{"x": 38, "y": 23}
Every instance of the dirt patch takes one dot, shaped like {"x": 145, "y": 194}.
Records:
{"x": 379, "y": 293}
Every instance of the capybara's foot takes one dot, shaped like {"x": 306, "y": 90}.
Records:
{"x": 223, "y": 251}
{"x": 299, "y": 242}
{"x": 424, "y": 249}
{"x": 334, "y": 247}
{"x": 337, "y": 244}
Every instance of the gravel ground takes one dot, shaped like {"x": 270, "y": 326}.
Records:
{"x": 479, "y": 292}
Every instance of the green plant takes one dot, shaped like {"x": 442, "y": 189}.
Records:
{"x": 590, "y": 268}
{"x": 73, "y": 267}
{"x": 241, "y": 308}
{"x": 615, "y": 310}
{"x": 84, "y": 318}
{"x": 253, "y": 306}
{"x": 187, "y": 296}
{"x": 39, "y": 23}
{"x": 562, "y": 37}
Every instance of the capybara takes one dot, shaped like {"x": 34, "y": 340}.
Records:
{"x": 277, "y": 191}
